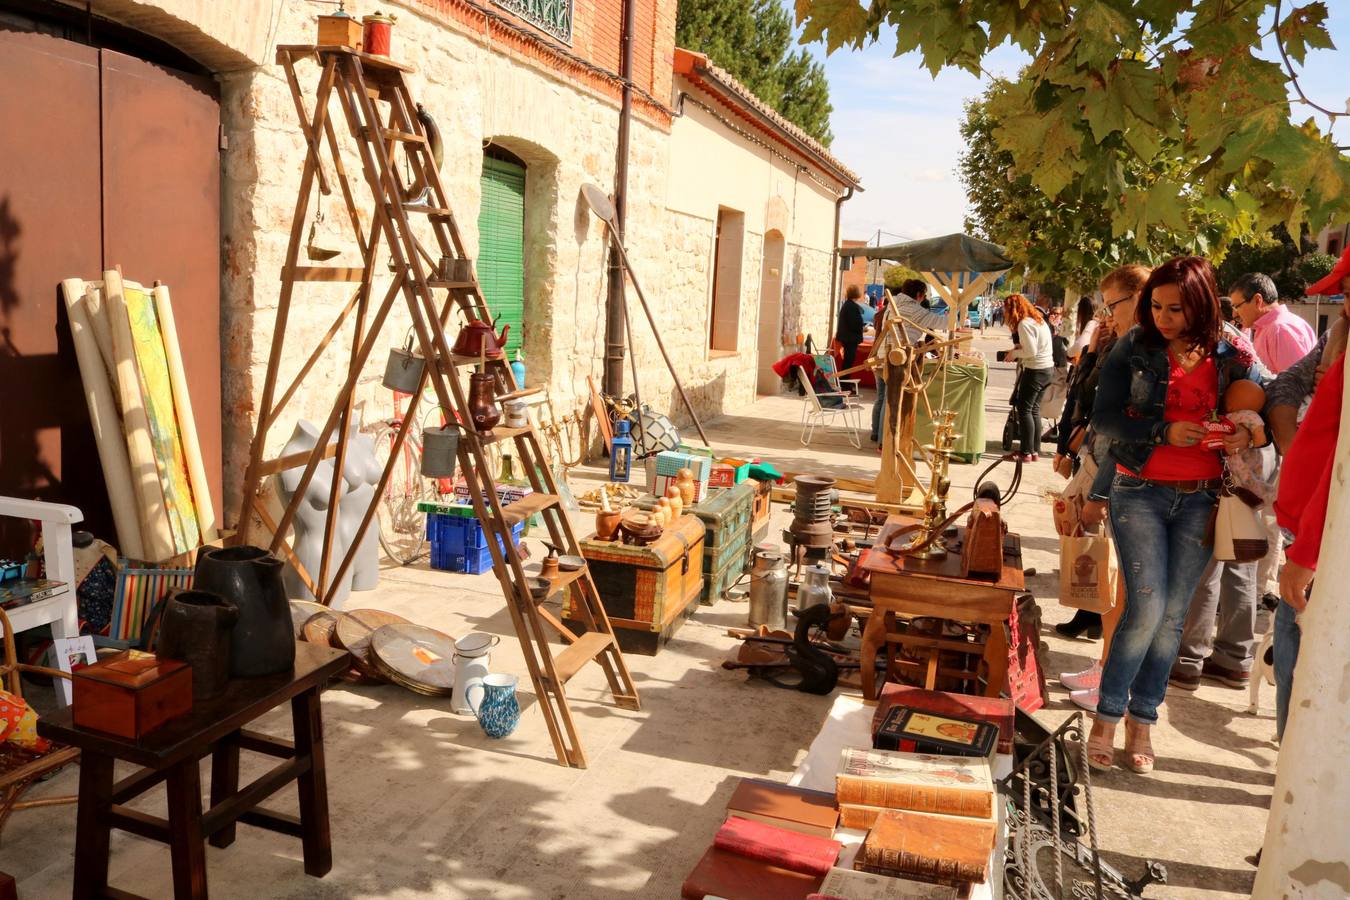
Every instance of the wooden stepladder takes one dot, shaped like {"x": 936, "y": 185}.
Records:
{"x": 372, "y": 95}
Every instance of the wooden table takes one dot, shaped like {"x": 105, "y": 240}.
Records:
{"x": 172, "y": 753}
{"x": 908, "y": 586}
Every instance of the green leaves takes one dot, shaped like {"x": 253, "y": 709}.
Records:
{"x": 1144, "y": 121}
{"x": 1305, "y": 27}
{"x": 835, "y": 22}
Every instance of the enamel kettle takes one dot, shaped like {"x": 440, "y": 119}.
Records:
{"x": 477, "y": 338}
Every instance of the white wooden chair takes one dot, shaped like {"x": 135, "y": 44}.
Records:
{"x": 59, "y": 610}
{"x": 817, "y": 415}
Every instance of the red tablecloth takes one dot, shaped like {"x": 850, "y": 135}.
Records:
{"x": 866, "y": 378}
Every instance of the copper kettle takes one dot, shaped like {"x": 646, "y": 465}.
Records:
{"x": 476, "y": 338}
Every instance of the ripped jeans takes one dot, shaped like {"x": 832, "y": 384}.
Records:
{"x": 1162, "y": 538}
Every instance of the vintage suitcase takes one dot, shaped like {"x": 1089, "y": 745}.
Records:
{"x": 131, "y": 694}
{"x": 648, "y": 591}
{"x": 726, "y": 515}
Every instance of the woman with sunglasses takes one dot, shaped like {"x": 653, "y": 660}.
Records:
{"x": 1158, "y": 386}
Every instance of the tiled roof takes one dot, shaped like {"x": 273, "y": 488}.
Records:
{"x": 699, "y": 68}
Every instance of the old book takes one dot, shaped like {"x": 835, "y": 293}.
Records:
{"x": 916, "y": 731}
{"x": 954, "y": 785}
{"x": 22, "y": 591}
{"x": 784, "y": 806}
{"x": 997, "y": 710}
{"x": 849, "y": 884}
{"x": 723, "y": 874}
{"x": 948, "y": 849}
{"x": 777, "y": 846}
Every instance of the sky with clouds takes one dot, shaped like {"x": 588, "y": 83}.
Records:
{"x": 899, "y": 128}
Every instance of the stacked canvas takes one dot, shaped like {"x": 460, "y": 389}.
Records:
{"x": 132, "y": 372}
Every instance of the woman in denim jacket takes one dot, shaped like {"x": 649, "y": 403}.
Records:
{"x": 1158, "y": 386}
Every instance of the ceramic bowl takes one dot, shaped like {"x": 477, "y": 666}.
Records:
{"x": 571, "y": 563}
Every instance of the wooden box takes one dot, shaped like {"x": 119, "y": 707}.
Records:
{"x": 648, "y": 591}
{"x": 726, "y": 515}
{"x": 340, "y": 31}
{"x": 759, "y": 515}
{"x": 131, "y": 694}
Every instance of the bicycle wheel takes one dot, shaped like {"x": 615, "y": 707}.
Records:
{"x": 403, "y": 530}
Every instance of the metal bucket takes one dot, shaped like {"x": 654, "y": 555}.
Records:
{"x": 440, "y": 451}
{"x": 768, "y": 591}
{"x": 403, "y": 371}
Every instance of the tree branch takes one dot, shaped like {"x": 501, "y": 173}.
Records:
{"x": 1293, "y": 76}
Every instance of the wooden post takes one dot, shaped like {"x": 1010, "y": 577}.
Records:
{"x": 1307, "y": 845}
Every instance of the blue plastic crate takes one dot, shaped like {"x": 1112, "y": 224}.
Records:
{"x": 460, "y": 545}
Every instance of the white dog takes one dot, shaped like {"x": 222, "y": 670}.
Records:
{"x": 1263, "y": 669}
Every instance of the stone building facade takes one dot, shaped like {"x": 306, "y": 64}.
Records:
{"x": 715, "y": 181}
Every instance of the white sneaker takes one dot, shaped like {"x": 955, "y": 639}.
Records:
{"x": 1079, "y": 681}
{"x": 1085, "y": 699}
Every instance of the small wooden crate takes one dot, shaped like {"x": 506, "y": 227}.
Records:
{"x": 648, "y": 591}
{"x": 340, "y": 31}
{"x": 131, "y": 694}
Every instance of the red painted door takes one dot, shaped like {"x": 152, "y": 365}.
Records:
{"x": 104, "y": 160}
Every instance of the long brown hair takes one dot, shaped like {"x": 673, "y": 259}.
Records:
{"x": 1199, "y": 302}
{"x": 1017, "y": 307}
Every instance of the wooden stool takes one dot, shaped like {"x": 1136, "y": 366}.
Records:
{"x": 900, "y": 637}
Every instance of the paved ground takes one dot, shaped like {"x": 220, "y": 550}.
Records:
{"x": 423, "y": 805}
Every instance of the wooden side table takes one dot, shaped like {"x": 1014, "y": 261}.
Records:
{"x": 907, "y": 586}
{"x": 172, "y": 754}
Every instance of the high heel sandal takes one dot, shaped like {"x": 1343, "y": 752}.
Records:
{"x": 1138, "y": 747}
{"x": 1101, "y": 748}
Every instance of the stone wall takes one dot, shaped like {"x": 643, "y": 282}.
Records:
{"x": 482, "y": 89}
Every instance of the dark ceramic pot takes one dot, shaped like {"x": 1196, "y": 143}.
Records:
{"x": 263, "y": 642}
{"x": 483, "y": 408}
{"x": 196, "y": 629}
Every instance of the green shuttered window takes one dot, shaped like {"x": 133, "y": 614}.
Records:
{"x": 501, "y": 245}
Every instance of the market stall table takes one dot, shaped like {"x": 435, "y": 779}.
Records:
{"x": 909, "y": 586}
{"x": 864, "y": 376}
{"x": 172, "y": 753}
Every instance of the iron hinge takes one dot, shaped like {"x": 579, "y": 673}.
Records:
{"x": 222, "y": 139}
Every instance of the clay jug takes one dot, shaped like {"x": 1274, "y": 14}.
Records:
{"x": 483, "y": 406}
{"x": 263, "y": 641}
{"x": 196, "y": 629}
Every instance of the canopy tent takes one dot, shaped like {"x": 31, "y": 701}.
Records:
{"x": 958, "y": 266}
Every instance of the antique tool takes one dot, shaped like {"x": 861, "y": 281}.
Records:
{"x": 312, "y": 248}
{"x": 982, "y": 550}
{"x": 812, "y": 509}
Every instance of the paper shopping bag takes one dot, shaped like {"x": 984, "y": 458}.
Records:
{"x": 1087, "y": 572}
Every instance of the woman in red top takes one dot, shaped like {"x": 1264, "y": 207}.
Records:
{"x": 1159, "y": 384}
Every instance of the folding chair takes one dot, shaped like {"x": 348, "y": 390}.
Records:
{"x": 815, "y": 414}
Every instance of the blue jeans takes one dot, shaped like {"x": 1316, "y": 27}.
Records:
{"x": 1162, "y": 538}
{"x": 1288, "y": 634}
{"x": 877, "y": 409}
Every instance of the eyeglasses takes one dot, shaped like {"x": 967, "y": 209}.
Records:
{"x": 1111, "y": 307}
{"x": 1237, "y": 306}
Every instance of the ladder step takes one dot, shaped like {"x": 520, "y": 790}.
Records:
{"x": 527, "y": 506}
{"x": 436, "y": 212}
{"x": 574, "y": 656}
{"x": 452, "y": 285}
{"x": 523, "y": 392}
{"x": 323, "y": 273}
{"x": 405, "y": 136}
{"x": 502, "y": 433}
{"x": 457, "y": 360}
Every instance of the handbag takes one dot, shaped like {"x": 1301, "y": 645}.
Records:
{"x": 1239, "y": 535}
{"x": 1088, "y": 570}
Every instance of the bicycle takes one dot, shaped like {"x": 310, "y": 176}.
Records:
{"x": 403, "y": 531}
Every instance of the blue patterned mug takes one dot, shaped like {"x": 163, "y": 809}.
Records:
{"x": 498, "y": 711}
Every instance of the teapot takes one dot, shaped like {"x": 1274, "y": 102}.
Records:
{"x": 477, "y": 338}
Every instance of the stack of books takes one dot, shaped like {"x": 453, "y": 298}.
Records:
{"x": 931, "y": 817}
{"x": 775, "y": 843}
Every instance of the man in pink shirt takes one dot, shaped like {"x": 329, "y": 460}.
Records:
{"x": 1280, "y": 337}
